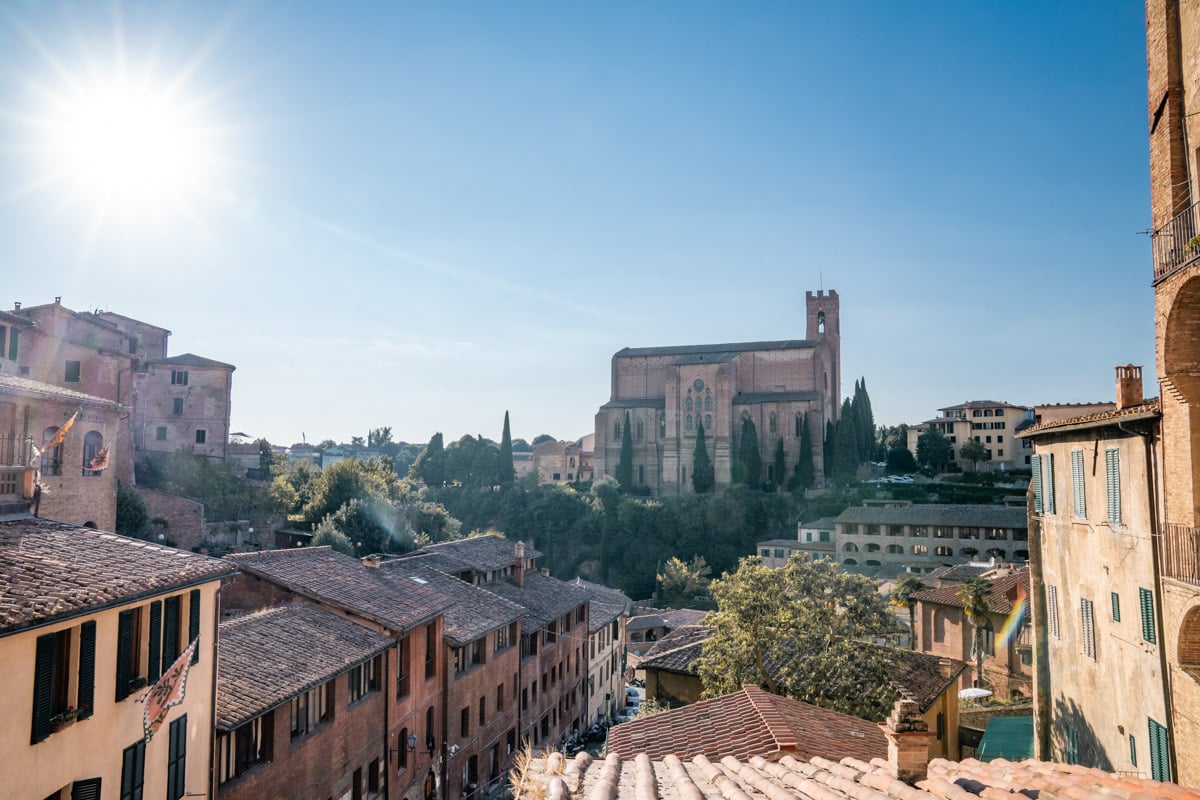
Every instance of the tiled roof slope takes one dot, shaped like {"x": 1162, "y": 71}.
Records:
{"x": 678, "y": 650}
{"x": 544, "y": 599}
{"x": 482, "y": 552}
{"x": 605, "y": 606}
{"x": 695, "y": 777}
{"x": 922, "y": 677}
{"x": 746, "y": 723}
{"x": 267, "y": 658}
{"x": 473, "y": 611}
{"x": 1004, "y": 593}
{"x": 341, "y": 580}
{"x": 51, "y": 571}
{"x": 704, "y": 349}
{"x": 1150, "y": 408}
{"x": 192, "y": 360}
{"x": 10, "y": 384}
{"x": 988, "y": 516}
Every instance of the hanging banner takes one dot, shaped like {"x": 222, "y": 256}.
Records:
{"x": 59, "y": 437}
{"x": 167, "y": 692}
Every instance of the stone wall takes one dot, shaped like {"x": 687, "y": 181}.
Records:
{"x": 185, "y": 518}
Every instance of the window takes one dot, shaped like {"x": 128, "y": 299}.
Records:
{"x": 201, "y": 436}
{"x": 129, "y": 649}
{"x": 430, "y": 730}
{"x": 1078, "y": 497}
{"x": 1035, "y": 483}
{"x": 1052, "y": 609}
{"x": 177, "y": 406}
{"x": 93, "y": 453}
{"x": 365, "y": 678}
{"x": 941, "y": 551}
{"x": 640, "y": 432}
{"x": 1089, "y": 628}
{"x": 52, "y": 677}
{"x": 311, "y": 708}
{"x": 133, "y": 770}
{"x": 1160, "y": 764}
{"x": 430, "y": 652}
{"x": 778, "y": 553}
{"x": 243, "y": 747}
{"x": 403, "y": 651}
{"x": 51, "y": 457}
{"x": 482, "y": 712}
{"x": 12, "y": 345}
{"x": 1146, "y": 601}
{"x": 1112, "y": 484}
{"x": 72, "y": 372}
{"x": 765, "y": 552}
{"x": 499, "y": 697}
{"x": 465, "y": 721}
{"x": 773, "y": 423}
{"x": 1115, "y": 599}
{"x": 177, "y": 759}
{"x": 179, "y": 377}
{"x": 402, "y": 750}
{"x": 160, "y": 433}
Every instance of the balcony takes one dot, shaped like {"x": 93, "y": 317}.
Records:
{"x": 1176, "y": 244}
{"x": 1181, "y": 553}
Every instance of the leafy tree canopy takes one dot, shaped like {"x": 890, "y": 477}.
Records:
{"x": 680, "y": 582}
{"x": 327, "y": 534}
{"x": 933, "y": 450}
{"x": 974, "y": 452}
{"x": 543, "y": 437}
{"x": 799, "y": 631}
{"x": 703, "y": 477}
{"x": 132, "y": 515}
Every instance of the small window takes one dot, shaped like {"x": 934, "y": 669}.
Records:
{"x": 177, "y": 759}
{"x": 177, "y": 406}
{"x": 1116, "y": 607}
{"x": 1087, "y": 620}
{"x": 133, "y": 767}
{"x": 1146, "y": 601}
{"x": 201, "y": 436}
{"x": 95, "y": 454}
{"x": 1112, "y": 484}
{"x": 1052, "y": 609}
{"x": 1078, "y": 495}
{"x": 465, "y": 722}
{"x": 72, "y": 372}
{"x": 179, "y": 377}
{"x": 160, "y": 433}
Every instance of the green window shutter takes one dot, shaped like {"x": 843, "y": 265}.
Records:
{"x": 124, "y": 653}
{"x": 1116, "y": 607}
{"x": 85, "y": 697}
{"x": 1048, "y": 482}
{"x": 194, "y": 621}
{"x": 1035, "y": 482}
{"x": 12, "y": 345}
{"x": 1146, "y": 601}
{"x": 170, "y": 645}
{"x": 43, "y": 688}
{"x": 1133, "y": 749}
{"x": 1160, "y": 752}
{"x": 1112, "y": 476}
{"x": 1078, "y": 495}
{"x": 155, "y": 640}
{"x": 1089, "y": 628}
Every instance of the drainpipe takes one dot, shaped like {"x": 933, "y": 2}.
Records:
{"x": 1041, "y": 657}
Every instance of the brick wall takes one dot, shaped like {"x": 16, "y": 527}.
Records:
{"x": 184, "y": 517}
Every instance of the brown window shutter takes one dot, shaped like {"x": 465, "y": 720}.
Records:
{"x": 85, "y": 697}
{"x": 43, "y": 686}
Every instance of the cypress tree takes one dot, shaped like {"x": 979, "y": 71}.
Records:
{"x": 430, "y": 465}
{"x": 748, "y": 454}
{"x": 827, "y": 449}
{"x": 845, "y": 449}
{"x": 507, "y": 473}
{"x": 625, "y": 465}
{"x": 703, "y": 479}
{"x": 780, "y": 466}
{"x": 804, "y": 467}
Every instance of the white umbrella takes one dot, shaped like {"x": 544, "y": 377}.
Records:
{"x": 974, "y": 693}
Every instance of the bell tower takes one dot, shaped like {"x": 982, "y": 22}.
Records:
{"x": 824, "y": 328}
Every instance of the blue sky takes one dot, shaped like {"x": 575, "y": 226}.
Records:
{"x": 420, "y": 215}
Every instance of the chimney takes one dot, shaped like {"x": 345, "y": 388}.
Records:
{"x": 1129, "y": 386}
{"x": 371, "y": 561}
{"x": 519, "y": 572}
{"x": 17, "y": 306}
{"x": 58, "y": 300}
{"x": 908, "y": 738}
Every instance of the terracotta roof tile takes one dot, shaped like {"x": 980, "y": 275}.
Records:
{"x": 473, "y": 611}
{"x": 678, "y": 650}
{"x": 51, "y": 570}
{"x": 1004, "y": 593}
{"x": 266, "y": 659}
{"x": 482, "y": 552}
{"x": 544, "y": 599}
{"x": 10, "y": 384}
{"x": 745, "y": 723}
{"x": 605, "y": 606}
{"x": 344, "y": 581}
{"x": 1150, "y": 407}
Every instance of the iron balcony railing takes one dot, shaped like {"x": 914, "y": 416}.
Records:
{"x": 1181, "y": 552}
{"x": 1177, "y": 243}
{"x": 15, "y": 451}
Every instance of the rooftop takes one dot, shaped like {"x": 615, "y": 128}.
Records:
{"x": 633, "y": 776}
{"x": 716, "y": 350}
{"x": 987, "y": 516}
{"x": 191, "y": 360}
{"x": 1147, "y": 410}
{"x": 605, "y": 606}
{"x": 746, "y": 723}
{"x": 260, "y": 667}
{"x": 10, "y": 384}
{"x": 482, "y": 553}
{"x": 1005, "y": 591}
{"x": 973, "y": 404}
{"x": 343, "y": 581}
{"x": 51, "y": 571}
{"x": 544, "y": 599}
{"x": 473, "y": 611}
{"x": 678, "y": 650}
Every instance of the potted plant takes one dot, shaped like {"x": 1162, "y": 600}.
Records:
{"x": 64, "y": 719}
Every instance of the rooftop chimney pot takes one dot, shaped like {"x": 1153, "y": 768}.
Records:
{"x": 17, "y": 306}
{"x": 908, "y": 738}
{"x": 1129, "y": 386}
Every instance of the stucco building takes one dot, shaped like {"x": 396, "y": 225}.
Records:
{"x": 669, "y": 392}
{"x": 608, "y": 610}
{"x": 89, "y": 621}
{"x": 993, "y": 424}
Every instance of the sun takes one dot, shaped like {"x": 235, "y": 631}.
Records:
{"x": 128, "y": 150}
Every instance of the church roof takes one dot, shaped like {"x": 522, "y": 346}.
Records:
{"x": 723, "y": 350}
{"x": 745, "y": 398}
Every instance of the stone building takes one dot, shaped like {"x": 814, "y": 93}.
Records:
{"x": 608, "y": 610}
{"x": 182, "y": 401}
{"x": 669, "y": 392}
{"x": 814, "y": 539}
{"x": 89, "y": 621}
{"x": 990, "y": 423}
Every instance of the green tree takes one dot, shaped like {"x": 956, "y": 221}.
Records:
{"x": 680, "y": 582}
{"x": 349, "y": 479}
{"x": 378, "y": 437}
{"x": 749, "y": 461}
{"x": 430, "y": 466}
{"x": 904, "y": 595}
{"x": 506, "y": 472}
{"x": 974, "y": 592}
{"x": 805, "y": 474}
{"x": 779, "y": 468}
{"x": 799, "y": 631}
{"x": 845, "y": 446}
{"x": 900, "y": 461}
{"x": 132, "y": 515}
{"x": 934, "y": 450}
{"x": 625, "y": 464}
{"x": 703, "y": 478}
{"x": 367, "y": 523}
{"x": 827, "y": 448}
{"x": 357, "y": 441}
{"x": 545, "y": 437}
{"x": 974, "y": 452}
{"x": 327, "y": 535}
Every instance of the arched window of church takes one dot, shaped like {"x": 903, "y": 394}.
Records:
{"x": 662, "y": 427}
{"x": 773, "y": 423}
{"x": 820, "y": 322}
{"x": 616, "y": 429}
{"x": 688, "y": 403}
{"x": 93, "y": 442}
{"x": 708, "y": 402}
{"x": 708, "y": 422}
{"x": 799, "y": 422}
{"x": 640, "y": 431}
{"x": 687, "y": 425}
